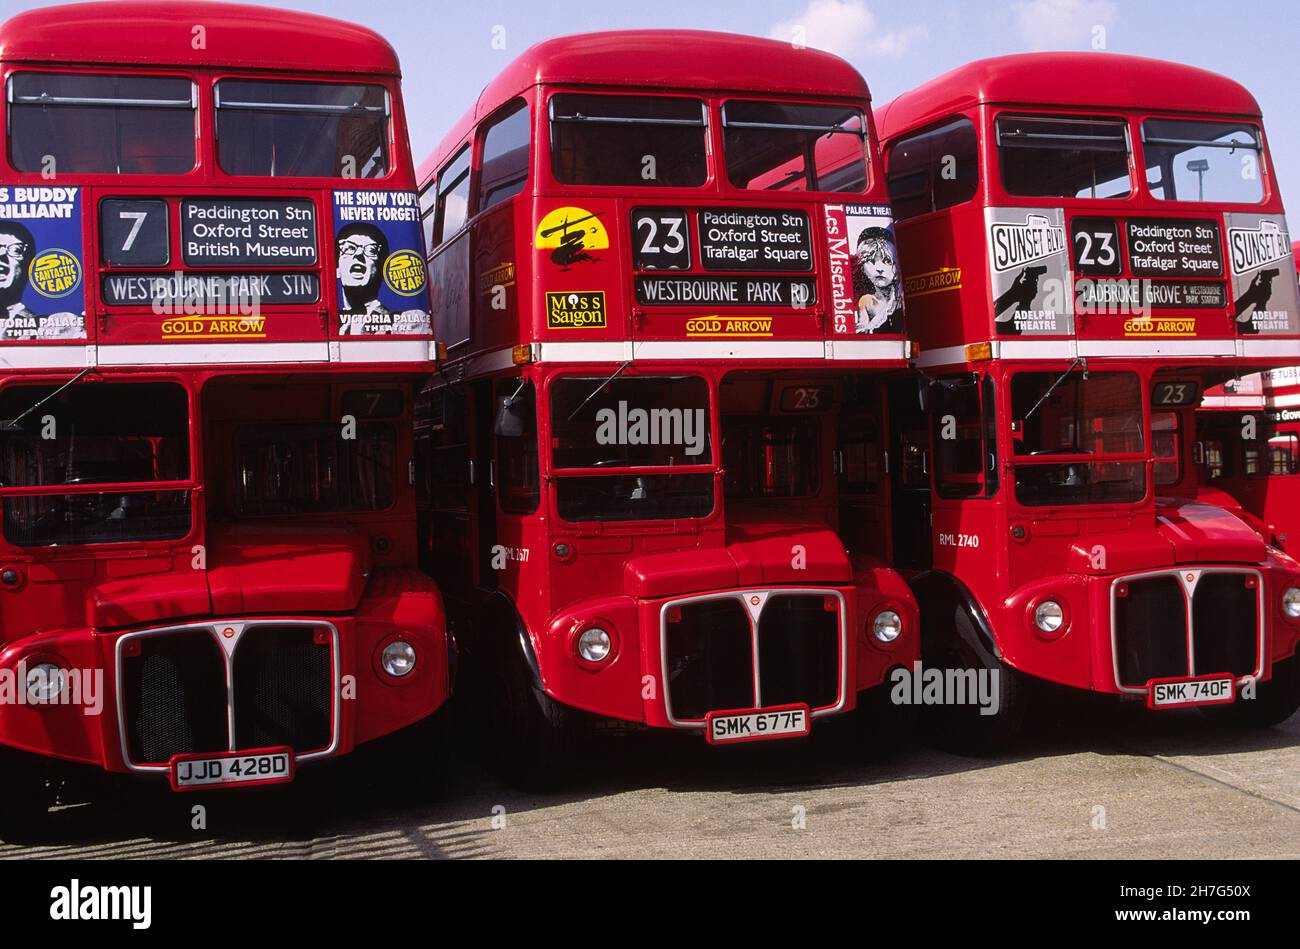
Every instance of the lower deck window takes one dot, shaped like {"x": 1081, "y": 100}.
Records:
{"x": 1070, "y": 416}
{"x": 311, "y": 469}
{"x": 132, "y": 438}
{"x": 62, "y": 520}
{"x": 770, "y": 458}
{"x": 641, "y": 497}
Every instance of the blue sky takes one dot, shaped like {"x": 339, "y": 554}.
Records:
{"x": 447, "y": 54}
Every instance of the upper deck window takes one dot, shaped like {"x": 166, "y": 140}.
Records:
{"x": 88, "y": 123}
{"x": 645, "y": 141}
{"x": 1203, "y": 161}
{"x": 302, "y": 129}
{"x": 934, "y": 169}
{"x": 1063, "y": 157}
{"x": 790, "y": 146}
{"x": 505, "y": 157}
{"x": 451, "y": 206}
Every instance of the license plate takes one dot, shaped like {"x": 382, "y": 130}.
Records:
{"x": 724, "y": 728}
{"x": 1203, "y": 690}
{"x": 232, "y": 769}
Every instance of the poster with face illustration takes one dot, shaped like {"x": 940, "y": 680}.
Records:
{"x": 42, "y": 290}
{"x": 383, "y": 287}
{"x": 866, "y": 284}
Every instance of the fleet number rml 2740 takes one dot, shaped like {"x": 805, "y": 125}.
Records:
{"x": 958, "y": 540}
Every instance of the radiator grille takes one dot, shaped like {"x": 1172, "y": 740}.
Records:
{"x": 710, "y": 658}
{"x": 1151, "y": 626}
{"x": 709, "y": 653}
{"x": 1225, "y": 623}
{"x": 175, "y": 700}
{"x": 175, "y": 696}
{"x": 799, "y": 650}
{"x": 282, "y": 689}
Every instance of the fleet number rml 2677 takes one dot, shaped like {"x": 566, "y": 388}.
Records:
{"x": 958, "y": 540}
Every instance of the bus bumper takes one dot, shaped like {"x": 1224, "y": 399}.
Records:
{"x": 677, "y": 659}
{"x": 133, "y": 699}
{"x": 1126, "y": 631}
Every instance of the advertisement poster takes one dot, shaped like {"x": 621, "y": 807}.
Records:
{"x": 383, "y": 287}
{"x": 1029, "y": 262}
{"x": 1263, "y": 286}
{"x": 42, "y": 278}
{"x": 865, "y": 280}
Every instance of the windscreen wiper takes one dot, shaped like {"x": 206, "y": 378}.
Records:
{"x": 596, "y": 391}
{"x": 1079, "y": 361}
{"x": 12, "y": 424}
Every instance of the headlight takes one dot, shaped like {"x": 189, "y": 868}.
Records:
{"x": 1291, "y": 602}
{"x": 887, "y": 626}
{"x": 1049, "y": 617}
{"x": 594, "y": 644}
{"x": 45, "y": 682}
{"x": 398, "y": 658}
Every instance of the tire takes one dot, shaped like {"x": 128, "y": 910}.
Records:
{"x": 880, "y": 725}
{"x": 1275, "y": 700}
{"x": 964, "y": 729}
{"x": 534, "y": 738}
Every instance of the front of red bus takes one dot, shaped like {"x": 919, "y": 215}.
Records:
{"x": 216, "y": 319}
{"x": 1125, "y": 251}
{"x": 694, "y": 553}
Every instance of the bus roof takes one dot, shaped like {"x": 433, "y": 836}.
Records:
{"x": 131, "y": 32}
{"x": 1083, "y": 80}
{"x": 684, "y": 60}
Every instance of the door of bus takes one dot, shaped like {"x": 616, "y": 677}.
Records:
{"x": 909, "y": 473}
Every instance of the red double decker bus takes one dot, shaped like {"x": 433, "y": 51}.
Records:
{"x": 663, "y": 265}
{"x": 1090, "y": 243}
{"x": 215, "y": 322}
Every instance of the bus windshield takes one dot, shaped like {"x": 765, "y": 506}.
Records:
{"x": 126, "y": 435}
{"x": 788, "y": 146}
{"x": 641, "y": 141}
{"x": 1099, "y": 416}
{"x": 1202, "y": 161}
{"x": 302, "y": 129}
{"x": 1064, "y": 157}
{"x": 650, "y": 422}
{"x": 93, "y": 123}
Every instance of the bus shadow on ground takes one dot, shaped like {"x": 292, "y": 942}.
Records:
{"x": 341, "y": 810}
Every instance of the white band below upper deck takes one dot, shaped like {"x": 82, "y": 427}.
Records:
{"x": 688, "y": 350}
{"x": 1254, "y": 347}
{"x": 217, "y": 354}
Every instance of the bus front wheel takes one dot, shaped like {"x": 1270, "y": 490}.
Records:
{"x": 1275, "y": 700}
{"x": 535, "y": 738}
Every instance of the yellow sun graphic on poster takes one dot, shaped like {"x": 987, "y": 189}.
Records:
{"x": 571, "y": 231}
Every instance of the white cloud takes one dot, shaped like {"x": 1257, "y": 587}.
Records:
{"x": 846, "y": 28}
{"x": 1063, "y": 24}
